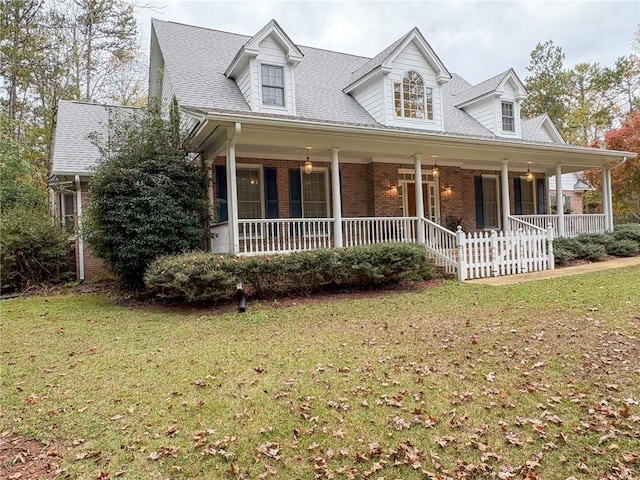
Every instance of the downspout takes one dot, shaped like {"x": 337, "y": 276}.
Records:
{"x": 80, "y": 244}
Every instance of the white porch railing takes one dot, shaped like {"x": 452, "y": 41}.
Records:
{"x": 370, "y": 230}
{"x": 573, "y": 224}
{"x": 516, "y": 223}
{"x": 467, "y": 255}
{"x": 441, "y": 245}
{"x": 284, "y": 235}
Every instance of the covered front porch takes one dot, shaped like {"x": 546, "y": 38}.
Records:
{"x": 358, "y": 188}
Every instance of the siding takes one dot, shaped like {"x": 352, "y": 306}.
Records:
{"x": 412, "y": 59}
{"x": 244, "y": 84}
{"x": 484, "y": 112}
{"x": 272, "y": 54}
{"x": 167, "y": 91}
{"x": 509, "y": 95}
{"x": 371, "y": 97}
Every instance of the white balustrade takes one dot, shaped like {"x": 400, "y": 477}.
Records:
{"x": 371, "y": 230}
{"x": 261, "y": 236}
{"x": 575, "y": 224}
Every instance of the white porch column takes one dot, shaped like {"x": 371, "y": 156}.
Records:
{"x": 80, "y": 243}
{"x": 607, "y": 199}
{"x": 506, "y": 206}
{"x": 208, "y": 164}
{"x": 232, "y": 199}
{"x": 417, "y": 167}
{"x": 335, "y": 198}
{"x": 559, "y": 200}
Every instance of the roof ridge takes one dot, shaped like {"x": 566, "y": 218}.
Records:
{"x": 249, "y": 37}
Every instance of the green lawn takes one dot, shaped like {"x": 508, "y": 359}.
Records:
{"x": 456, "y": 381}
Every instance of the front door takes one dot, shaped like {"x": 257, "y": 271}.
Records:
{"x": 428, "y": 198}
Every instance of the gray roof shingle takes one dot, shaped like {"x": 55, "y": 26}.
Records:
{"x": 74, "y": 153}
{"x": 196, "y": 60}
{"x": 480, "y": 89}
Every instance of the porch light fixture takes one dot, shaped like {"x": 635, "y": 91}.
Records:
{"x": 308, "y": 166}
{"x": 435, "y": 171}
{"x": 447, "y": 191}
{"x": 393, "y": 188}
{"x": 529, "y": 176}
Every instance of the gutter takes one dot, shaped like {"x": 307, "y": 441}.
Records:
{"x": 489, "y": 142}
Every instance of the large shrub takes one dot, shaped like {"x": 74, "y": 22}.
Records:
{"x": 33, "y": 248}
{"x": 207, "y": 276}
{"x": 623, "y": 242}
{"x": 148, "y": 198}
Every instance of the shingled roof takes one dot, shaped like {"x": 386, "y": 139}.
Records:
{"x": 74, "y": 152}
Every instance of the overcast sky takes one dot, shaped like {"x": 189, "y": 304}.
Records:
{"x": 476, "y": 39}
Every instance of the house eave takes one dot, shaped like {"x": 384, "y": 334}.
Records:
{"x": 597, "y": 157}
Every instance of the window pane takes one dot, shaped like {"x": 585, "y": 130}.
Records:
{"x": 272, "y": 76}
{"x": 249, "y": 200}
{"x": 314, "y": 195}
{"x": 397, "y": 99}
{"x": 273, "y": 96}
{"x": 508, "y": 124}
{"x": 429, "y": 101}
{"x": 413, "y": 95}
{"x": 490, "y": 202}
{"x": 526, "y": 197}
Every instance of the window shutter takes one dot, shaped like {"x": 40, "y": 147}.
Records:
{"x": 271, "y": 192}
{"x": 541, "y": 196}
{"x": 221, "y": 189}
{"x": 517, "y": 195}
{"x": 295, "y": 193}
{"x": 477, "y": 181}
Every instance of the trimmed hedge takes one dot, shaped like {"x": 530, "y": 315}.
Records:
{"x": 623, "y": 242}
{"x": 206, "y": 276}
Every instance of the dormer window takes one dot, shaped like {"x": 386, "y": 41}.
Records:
{"x": 411, "y": 99}
{"x": 273, "y": 85}
{"x": 508, "y": 122}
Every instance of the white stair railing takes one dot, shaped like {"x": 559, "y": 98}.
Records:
{"x": 441, "y": 245}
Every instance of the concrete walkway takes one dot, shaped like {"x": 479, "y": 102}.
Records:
{"x": 558, "y": 272}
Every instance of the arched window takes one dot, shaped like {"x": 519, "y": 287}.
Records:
{"x": 411, "y": 98}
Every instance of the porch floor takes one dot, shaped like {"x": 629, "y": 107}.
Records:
{"x": 558, "y": 272}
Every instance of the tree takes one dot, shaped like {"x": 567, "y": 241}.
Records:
{"x": 148, "y": 198}
{"x": 33, "y": 247}
{"x": 625, "y": 179}
{"x": 590, "y": 105}
{"x": 624, "y": 81}
{"x": 547, "y": 84}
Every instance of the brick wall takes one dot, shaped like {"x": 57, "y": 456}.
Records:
{"x": 354, "y": 180}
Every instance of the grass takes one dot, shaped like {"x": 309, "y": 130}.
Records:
{"x": 459, "y": 380}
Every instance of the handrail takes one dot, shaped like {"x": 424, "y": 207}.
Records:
{"x": 441, "y": 244}
{"x": 522, "y": 224}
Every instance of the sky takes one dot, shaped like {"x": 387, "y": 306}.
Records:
{"x": 476, "y": 39}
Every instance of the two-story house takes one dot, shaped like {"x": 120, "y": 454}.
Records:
{"x": 310, "y": 148}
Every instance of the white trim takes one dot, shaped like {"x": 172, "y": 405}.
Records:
{"x": 80, "y": 244}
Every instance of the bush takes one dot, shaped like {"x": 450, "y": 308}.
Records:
{"x": 207, "y": 276}
{"x": 33, "y": 248}
{"x": 623, "y": 248}
{"x": 628, "y": 231}
{"x": 148, "y": 199}
{"x": 562, "y": 255}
